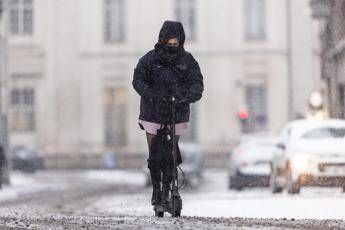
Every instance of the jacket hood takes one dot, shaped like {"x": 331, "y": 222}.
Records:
{"x": 172, "y": 29}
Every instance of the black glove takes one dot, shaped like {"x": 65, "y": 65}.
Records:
{"x": 181, "y": 100}
{"x": 163, "y": 103}
{"x": 153, "y": 96}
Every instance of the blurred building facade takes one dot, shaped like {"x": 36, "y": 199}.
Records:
{"x": 339, "y": 51}
{"x": 71, "y": 65}
{"x": 331, "y": 15}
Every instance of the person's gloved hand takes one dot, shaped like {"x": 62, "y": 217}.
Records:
{"x": 181, "y": 100}
{"x": 163, "y": 104}
{"x": 155, "y": 97}
{"x": 150, "y": 96}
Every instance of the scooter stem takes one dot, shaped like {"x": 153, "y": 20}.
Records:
{"x": 175, "y": 178}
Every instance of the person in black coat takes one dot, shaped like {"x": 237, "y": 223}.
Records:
{"x": 164, "y": 72}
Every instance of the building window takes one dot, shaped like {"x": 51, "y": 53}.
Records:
{"x": 185, "y": 13}
{"x": 114, "y": 21}
{"x": 22, "y": 110}
{"x": 255, "y": 19}
{"x": 115, "y": 116}
{"x": 21, "y": 17}
{"x": 256, "y": 102}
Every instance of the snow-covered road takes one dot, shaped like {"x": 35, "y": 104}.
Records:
{"x": 120, "y": 197}
{"x": 213, "y": 199}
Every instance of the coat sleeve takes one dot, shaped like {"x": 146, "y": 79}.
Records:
{"x": 195, "y": 81}
{"x": 141, "y": 79}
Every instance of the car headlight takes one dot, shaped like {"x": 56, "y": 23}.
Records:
{"x": 301, "y": 163}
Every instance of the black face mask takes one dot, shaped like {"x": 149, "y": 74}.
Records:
{"x": 172, "y": 49}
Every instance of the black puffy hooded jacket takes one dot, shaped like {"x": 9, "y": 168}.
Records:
{"x": 167, "y": 71}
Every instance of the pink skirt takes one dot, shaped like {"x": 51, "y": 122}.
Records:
{"x": 151, "y": 127}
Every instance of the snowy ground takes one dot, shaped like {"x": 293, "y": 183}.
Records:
{"x": 213, "y": 199}
{"x": 25, "y": 184}
{"x": 109, "y": 199}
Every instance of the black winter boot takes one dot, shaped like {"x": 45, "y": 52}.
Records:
{"x": 167, "y": 178}
{"x": 156, "y": 187}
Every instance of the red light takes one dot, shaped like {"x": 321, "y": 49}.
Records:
{"x": 237, "y": 151}
{"x": 243, "y": 114}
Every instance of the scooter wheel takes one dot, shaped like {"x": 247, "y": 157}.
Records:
{"x": 159, "y": 214}
{"x": 177, "y": 207}
{"x": 177, "y": 213}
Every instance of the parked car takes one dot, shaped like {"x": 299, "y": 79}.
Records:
{"x": 309, "y": 153}
{"x": 27, "y": 159}
{"x": 249, "y": 163}
{"x": 192, "y": 165}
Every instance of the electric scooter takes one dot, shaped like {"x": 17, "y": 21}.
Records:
{"x": 174, "y": 207}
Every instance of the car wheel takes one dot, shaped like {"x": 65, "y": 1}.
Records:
{"x": 234, "y": 183}
{"x": 273, "y": 182}
{"x": 274, "y": 187}
{"x": 293, "y": 187}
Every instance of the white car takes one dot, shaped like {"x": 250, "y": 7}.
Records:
{"x": 249, "y": 163}
{"x": 309, "y": 153}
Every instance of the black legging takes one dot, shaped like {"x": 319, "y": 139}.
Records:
{"x": 150, "y": 136}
